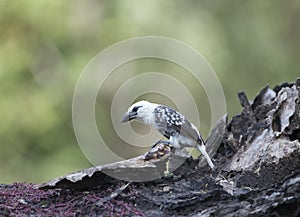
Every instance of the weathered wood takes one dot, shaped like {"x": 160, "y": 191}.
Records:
{"x": 257, "y": 172}
{"x": 158, "y": 163}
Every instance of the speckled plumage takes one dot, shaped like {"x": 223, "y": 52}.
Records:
{"x": 171, "y": 123}
{"x": 179, "y": 131}
{"x": 168, "y": 121}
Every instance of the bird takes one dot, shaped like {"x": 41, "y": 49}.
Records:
{"x": 179, "y": 131}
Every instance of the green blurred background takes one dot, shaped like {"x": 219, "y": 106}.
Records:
{"x": 45, "y": 45}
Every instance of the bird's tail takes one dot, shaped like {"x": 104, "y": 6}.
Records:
{"x": 202, "y": 149}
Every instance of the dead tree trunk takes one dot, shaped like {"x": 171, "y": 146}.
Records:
{"x": 257, "y": 173}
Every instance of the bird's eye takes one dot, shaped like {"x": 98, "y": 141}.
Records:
{"x": 136, "y": 108}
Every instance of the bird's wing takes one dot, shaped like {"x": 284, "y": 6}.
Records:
{"x": 171, "y": 123}
{"x": 191, "y": 132}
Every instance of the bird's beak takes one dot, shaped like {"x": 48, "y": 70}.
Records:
{"x": 128, "y": 116}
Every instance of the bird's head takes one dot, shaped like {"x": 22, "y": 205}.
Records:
{"x": 141, "y": 111}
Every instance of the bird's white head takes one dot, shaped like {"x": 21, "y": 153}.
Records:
{"x": 141, "y": 111}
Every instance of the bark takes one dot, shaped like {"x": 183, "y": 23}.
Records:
{"x": 257, "y": 159}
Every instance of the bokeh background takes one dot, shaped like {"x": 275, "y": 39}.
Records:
{"x": 45, "y": 45}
